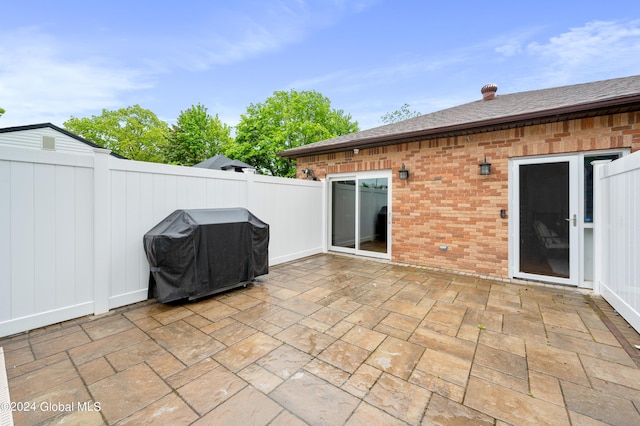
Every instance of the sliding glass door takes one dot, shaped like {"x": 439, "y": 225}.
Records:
{"x": 360, "y": 214}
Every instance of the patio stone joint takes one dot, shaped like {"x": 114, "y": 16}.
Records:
{"x": 629, "y": 349}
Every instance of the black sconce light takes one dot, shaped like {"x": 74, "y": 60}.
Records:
{"x": 403, "y": 173}
{"x": 485, "y": 168}
{"x": 308, "y": 174}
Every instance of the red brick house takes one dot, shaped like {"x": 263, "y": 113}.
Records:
{"x": 531, "y": 217}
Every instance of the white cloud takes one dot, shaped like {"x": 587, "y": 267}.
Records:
{"x": 595, "y": 48}
{"x": 266, "y": 27}
{"x": 50, "y": 78}
{"x": 353, "y": 80}
{"x": 511, "y": 44}
{"x": 38, "y": 83}
{"x": 320, "y": 80}
{"x": 510, "y": 49}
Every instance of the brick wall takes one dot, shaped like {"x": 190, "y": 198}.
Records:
{"x": 447, "y": 202}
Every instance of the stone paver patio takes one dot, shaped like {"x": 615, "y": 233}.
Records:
{"x": 333, "y": 340}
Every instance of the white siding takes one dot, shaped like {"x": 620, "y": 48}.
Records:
{"x": 32, "y": 139}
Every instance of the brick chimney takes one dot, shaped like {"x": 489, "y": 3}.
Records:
{"x": 488, "y": 91}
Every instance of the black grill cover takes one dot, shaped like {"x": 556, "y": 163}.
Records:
{"x": 194, "y": 253}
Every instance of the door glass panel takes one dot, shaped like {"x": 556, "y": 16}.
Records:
{"x": 343, "y": 213}
{"x": 588, "y": 183}
{"x": 373, "y": 214}
{"x": 544, "y": 210}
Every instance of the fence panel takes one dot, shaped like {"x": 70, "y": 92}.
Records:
{"x": 71, "y": 227}
{"x": 142, "y": 194}
{"x": 46, "y": 238}
{"x": 617, "y": 235}
{"x": 294, "y": 210}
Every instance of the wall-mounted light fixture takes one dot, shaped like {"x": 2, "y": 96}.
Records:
{"x": 356, "y": 150}
{"x": 403, "y": 173}
{"x": 308, "y": 174}
{"x": 485, "y": 168}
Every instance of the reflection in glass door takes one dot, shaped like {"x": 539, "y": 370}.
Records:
{"x": 360, "y": 215}
{"x": 547, "y": 220}
{"x": 372, "y": 203}
{"x": 343, "y": 216}
{"x": 544, "y": 204}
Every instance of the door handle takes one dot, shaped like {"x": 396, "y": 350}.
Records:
{"x": 573, "y": 219}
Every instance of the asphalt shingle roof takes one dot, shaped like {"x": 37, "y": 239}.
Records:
{"x": 503, "y": 111}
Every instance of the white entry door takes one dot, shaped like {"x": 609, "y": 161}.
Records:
{"x": 544, "y": 231}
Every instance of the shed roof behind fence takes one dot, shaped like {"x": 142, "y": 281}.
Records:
{"x": 40, "y": 126}
{"x": 222, "y": 162}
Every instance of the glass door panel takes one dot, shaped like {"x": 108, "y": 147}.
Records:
{"x": 343, "y": 213}
{"x": 373, "y": 198}
{"x": 546, "y": 220}
{"x": 359, "y": 214}
{"x": 544, "y": 232}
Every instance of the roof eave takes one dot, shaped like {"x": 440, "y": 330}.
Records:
{"x": 619, "y": 104}
{"x": 58, "y": 129}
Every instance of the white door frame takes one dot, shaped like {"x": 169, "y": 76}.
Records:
{"x": 574, "y": 212}
{"x": 359, "y": 176}
{"x": 585, "y": 247}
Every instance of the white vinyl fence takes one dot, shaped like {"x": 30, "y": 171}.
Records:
{"x": 71, "y": 227}
{"x": 617, "y": 235}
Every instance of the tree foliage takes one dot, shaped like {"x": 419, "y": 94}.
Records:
{"x": 286, "y": 120}
{"x": 196, "y": 137}
{"x": 401, "y": 114}
{"x": 133, "y": 132}
{"x": 2, "y": 111}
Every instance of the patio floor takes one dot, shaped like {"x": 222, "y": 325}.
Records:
{"x": 337, "y": 340}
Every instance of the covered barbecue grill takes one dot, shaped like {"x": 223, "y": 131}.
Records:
{"x": 195, "y": 253}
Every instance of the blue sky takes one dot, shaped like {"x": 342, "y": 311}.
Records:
{"x": 369, "y": 57}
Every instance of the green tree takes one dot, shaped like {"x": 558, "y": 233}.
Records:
{"x": 133, "y": 132}
{"x": 401, "y": 114}
{"x": 286, "y": 120}
{"x": 196, "y": 137}
{"x": 2, "y": 111}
